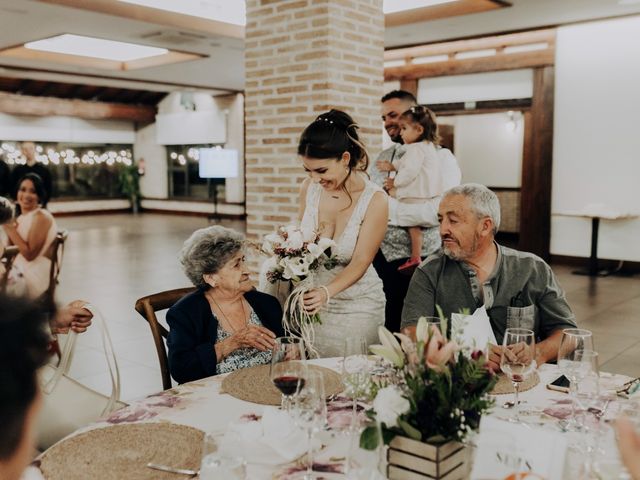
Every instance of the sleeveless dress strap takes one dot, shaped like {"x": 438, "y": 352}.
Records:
{"x": 363, "y": 202}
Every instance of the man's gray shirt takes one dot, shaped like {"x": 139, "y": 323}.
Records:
{"x": 521, "y": 292}
{"x": 397, "y": 244}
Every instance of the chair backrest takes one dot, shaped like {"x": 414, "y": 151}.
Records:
{"x": 147, "y": 307}
{"x": 7, "y": 259}
{"x": 55, "y": 254}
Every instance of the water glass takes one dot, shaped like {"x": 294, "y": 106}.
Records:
{"x": 575, "y": 363}
{"x": 310, "y": 413}
{"x": 218, "y": 463}
{"x": 518, "y": 359}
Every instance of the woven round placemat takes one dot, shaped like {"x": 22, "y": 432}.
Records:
{"x": 254, "y": 385}
{"x": 123, "y": 451}
{"x": 505, "y": 386}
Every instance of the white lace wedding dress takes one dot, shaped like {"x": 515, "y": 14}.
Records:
{"x": 359, "y": 309}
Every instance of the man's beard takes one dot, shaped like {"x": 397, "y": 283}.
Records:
{"x": 462, "y": 255}
{"x": 396, "y": 138}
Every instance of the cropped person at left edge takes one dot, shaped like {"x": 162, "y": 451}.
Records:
{"x": 225, "y": 324}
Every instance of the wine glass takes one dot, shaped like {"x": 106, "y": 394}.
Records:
{"x": 517, "y": 360}
{"x": 355, "y": 370}
{"x": 310, "y": 413}
{"x": 355, "y": 377}
{"x": 592, "y": 405}
{"x": 288, "y": 368}
{"x": 574, "y": 342}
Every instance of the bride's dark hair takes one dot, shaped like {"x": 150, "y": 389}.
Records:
{"x": 332, "y": 134}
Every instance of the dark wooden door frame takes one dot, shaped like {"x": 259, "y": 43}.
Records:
{"x": 537, "y": 165}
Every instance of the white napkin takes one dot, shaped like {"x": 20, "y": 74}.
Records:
{"x": 32, "y": 473}
{"x": 272, "y": 440}
{"x": 473, "y": 331}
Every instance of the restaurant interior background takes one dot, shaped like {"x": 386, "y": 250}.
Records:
{"x": 539, "y": 99}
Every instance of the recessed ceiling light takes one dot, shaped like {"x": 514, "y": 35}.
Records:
{"x": 95, "y": 47}
{"x": 221, "y": 10}
{"x": 392, "y": 6}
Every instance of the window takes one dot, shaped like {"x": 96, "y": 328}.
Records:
{"x": 184, "y": 177}
{"x": 77, "y": 170}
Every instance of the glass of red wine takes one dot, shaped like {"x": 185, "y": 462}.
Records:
{"x": 288, "y": 368}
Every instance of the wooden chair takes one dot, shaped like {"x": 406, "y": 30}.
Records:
{"x": 55, "y": 254}
{"x": 147, "y": 307}
{"x": 7, "y": 259}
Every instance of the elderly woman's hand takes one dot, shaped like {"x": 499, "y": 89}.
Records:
{"x": 254, "y": 336}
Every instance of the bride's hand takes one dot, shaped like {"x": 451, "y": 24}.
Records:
{"x": 314, "y": 300}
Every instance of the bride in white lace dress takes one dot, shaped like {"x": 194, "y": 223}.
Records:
{"x": 340, "y": 202}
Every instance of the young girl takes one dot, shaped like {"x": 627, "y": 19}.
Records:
{"x": 418, "y": 178}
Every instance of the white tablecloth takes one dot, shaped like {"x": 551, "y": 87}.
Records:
{"x": 201, "y": 405}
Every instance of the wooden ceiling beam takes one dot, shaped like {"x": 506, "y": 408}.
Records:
{"x": 491, "y": 63}
{"x": 547, "y": 36}
{"x": 48, "y": 106}
{"x": 434, "y": 12}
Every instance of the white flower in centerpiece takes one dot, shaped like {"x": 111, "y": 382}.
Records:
{"x": 389, "y": 404}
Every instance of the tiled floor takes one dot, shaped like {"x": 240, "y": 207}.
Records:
{"x": 111, "y": 260}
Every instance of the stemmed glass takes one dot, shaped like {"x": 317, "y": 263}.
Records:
{"x": 591, "y": 402}
{"x": 288, "y": 368}
{"x": 517, "y": 360}
{"x": 355, "y": 371}
{"x": 573, "y": 345}
{"x": 355, "y": 377}
{"x": 310, "y": 413}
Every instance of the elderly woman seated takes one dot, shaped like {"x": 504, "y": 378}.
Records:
{"x": 226, "y": 324}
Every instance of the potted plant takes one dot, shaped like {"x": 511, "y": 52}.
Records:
{"x": 437, "y": 399}
{"x": 129, "y": 180}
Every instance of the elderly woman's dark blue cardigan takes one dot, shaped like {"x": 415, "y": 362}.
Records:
{"x": 193, "y": 331}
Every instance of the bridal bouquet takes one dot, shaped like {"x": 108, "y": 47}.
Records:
{"x": 439, "y": 395}
{"x": 295, "y": 253}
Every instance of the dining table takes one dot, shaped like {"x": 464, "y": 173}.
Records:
{"x": 203, "y": 405}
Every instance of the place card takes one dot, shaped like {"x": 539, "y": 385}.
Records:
{"x": 504, "y": 448}
{"x": 473, "y": 331}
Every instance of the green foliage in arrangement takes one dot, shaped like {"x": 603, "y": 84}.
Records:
{"x": 440, "y": 393}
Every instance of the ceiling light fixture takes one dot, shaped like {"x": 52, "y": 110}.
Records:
{"x": 392, "y": 6}
{"x": 220, "y": 10}
{"x": 95, "y": 47}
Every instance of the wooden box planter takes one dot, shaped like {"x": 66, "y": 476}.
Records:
{"x": 413, "y": 460}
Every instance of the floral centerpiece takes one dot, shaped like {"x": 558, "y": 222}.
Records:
{"x": 295, "y": 254}
{"x": 440, "y": 392}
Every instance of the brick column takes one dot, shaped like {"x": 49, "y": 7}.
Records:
{"x": 302, "y": 58}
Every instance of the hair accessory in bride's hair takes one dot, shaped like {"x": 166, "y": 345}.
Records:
{"x": 322, "y": 118}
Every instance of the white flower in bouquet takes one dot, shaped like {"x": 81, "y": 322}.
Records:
{"x": 296, "y": 267}
{"x": 295, "y": 253}
{"x": 389, "y": 404}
